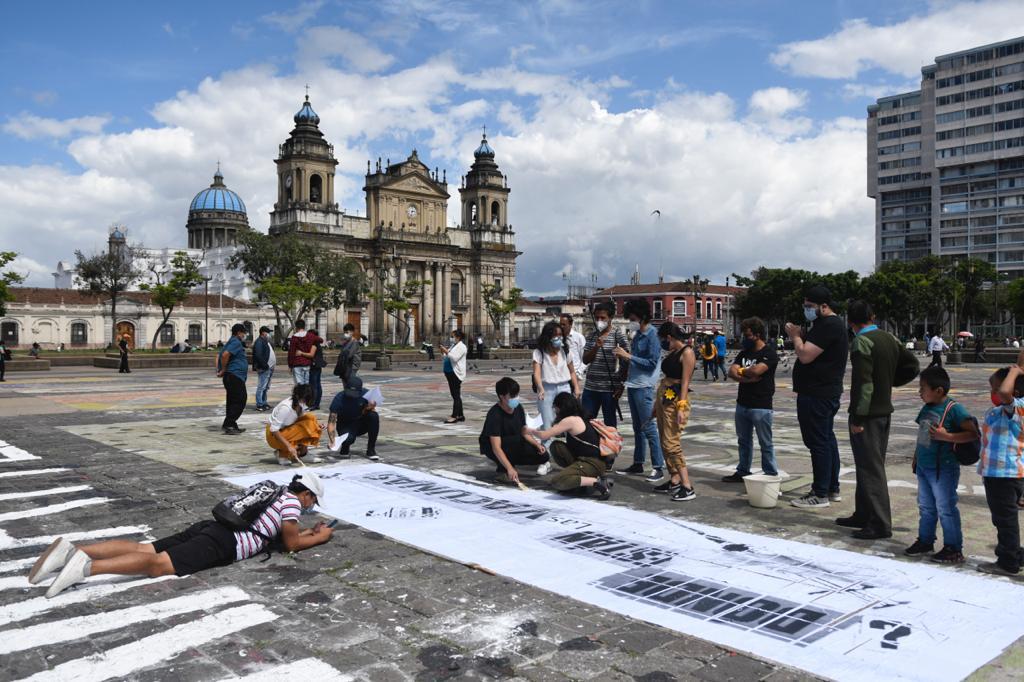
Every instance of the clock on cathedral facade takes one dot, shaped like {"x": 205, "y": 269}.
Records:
{"x": 405, "y": 234}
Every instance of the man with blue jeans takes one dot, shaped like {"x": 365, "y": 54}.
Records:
{"x": 263, "y": 361}
{"x": 818, "y": 383}
{"x": 603, "y": 385}
{"x": 754, "y": 370}
{"x": 722, "y": 350}
{"x": 644, "y": 359}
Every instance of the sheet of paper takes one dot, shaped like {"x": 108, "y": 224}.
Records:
{"x": 338, "y": 441}
{"x": 534, "y": 422}
{"x": 374, "y": 396}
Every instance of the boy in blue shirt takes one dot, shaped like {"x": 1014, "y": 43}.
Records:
{"x": 941, "y": 422}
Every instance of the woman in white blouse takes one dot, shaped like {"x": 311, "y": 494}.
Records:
{"x": 553, "y": 372}
{"x": 292, "y": 428}
{"x": 455, "y": 372}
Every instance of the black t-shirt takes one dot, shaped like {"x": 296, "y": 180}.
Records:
{"x": 757, "y": 395}
{"x": 823, "y": 378}
{"x": 505, "y": 426}
{"x": 348, "y": 407}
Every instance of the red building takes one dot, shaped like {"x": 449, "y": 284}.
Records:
{"x": 700, "y": 308}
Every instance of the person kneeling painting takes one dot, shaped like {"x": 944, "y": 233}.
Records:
{"x": 354, "y": 415}
{"x": 583, "y": 466}
{"x": 504, "y": 438}
{"x": 206, "y": 544}
{"x": 292, "y": 429}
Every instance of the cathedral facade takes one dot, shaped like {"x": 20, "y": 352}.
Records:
{"x": 404, "y": 236}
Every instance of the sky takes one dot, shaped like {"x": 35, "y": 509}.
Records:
{"x": 741, "y": 121}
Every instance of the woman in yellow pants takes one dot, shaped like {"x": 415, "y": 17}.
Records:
{"x": 672, "y": 408}
{"x": 292, "y": 429}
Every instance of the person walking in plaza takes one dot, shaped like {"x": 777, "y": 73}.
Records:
{"x": 941, "y": 423}
{"x": 709, "y": 358}
{"x": 316, "y": 366}
{"x": 203, "y": 545}
{"x": 753, "y": 369}
{"x": 263, "y": 361}
{"x": 1002, "y": 468}
{"x": 504, "y": 439}
{"x": 292, "y": 429}
{"x": 879, "y": 362}
{"x": 672, "y": 408}
{"x": 574, "y": 345}
{"x": 122, "y": 347}
{"x": 350, "y": 355}
{"x": 818, "y": 382}
{"x": 352, "y": 415}
{"x": 233, "y": 368}
{"x": 300, "y": 354}
{"x": 979, "y": 349}
{"x": 3, "y": 360}
{"x": 584, "y": 469}
{"x": 643, "y": 357}
{"x": 936, "y": 346}
{"x": 454, "y": 366}
{"x": 721, "y": 350}
{"x": 553, "y": 371}
{"x": 603, "y": 385}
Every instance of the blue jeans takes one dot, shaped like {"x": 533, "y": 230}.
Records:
{"x": 817, "y": 418}
{"x": 262, "y": 386}
{"x": 749, "y": 420}
{"x": 603, "y": 401}
{"x": 936, "y": 500}
{"x": 301, "y": 374}
{"x": 645, "y": 429}
{"x": 545, "y": 407}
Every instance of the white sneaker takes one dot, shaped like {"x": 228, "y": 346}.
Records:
{"x": 316, "y": 459}
{"x": 51, "y": 561}
{"x": 835, "y": 497}
{"x": 544, "y": 469}
{"x": 284, "y": 461}
{"x": 75, "y": 571}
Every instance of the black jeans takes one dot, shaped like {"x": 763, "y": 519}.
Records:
{"x": 936, "y": 358}
{"x": 817, "y": 419}
{"x": 235, "y": 401}
{"x": 123, "y": 367}
{"x": 1002, "y": 495}
{"x": 455, "y": 388}
{"x": 872, "y": 508}
{"x": 314, "y": 383}
{"x": 519, "y": 452}
{"x": 368, "y": 424}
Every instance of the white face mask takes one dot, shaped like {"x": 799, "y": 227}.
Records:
{"x": 601, "y": 325}
{"x": 634, "y": 326}
{"x": 348, "y": 335}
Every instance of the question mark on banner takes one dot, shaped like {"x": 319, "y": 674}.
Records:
{"x": 889, "y": 641}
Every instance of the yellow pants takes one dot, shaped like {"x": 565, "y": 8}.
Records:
{"x": 305, "y": 431}
{"x": 671, "y": 424}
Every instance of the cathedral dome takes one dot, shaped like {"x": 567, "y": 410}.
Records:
{"x": 484, "y": 149}
{"x": 217, "y": 198}
{"x": 306, "y": 114}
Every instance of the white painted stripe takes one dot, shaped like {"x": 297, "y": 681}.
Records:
{"x": 16, "y": 582}
{"x": 16, "y": 565}
{"x": 11, "y": 613}
{"x": 42, "y": 493}
{"x": 305, "y": 669}
{"x": 12, "y": 453}
{"x": 128, "y": 658}
{"x": 53, "y": 508}
{"x": 33, "y": 472}
{"x": 7, "y": 542}
{"x": 46, "y": 634}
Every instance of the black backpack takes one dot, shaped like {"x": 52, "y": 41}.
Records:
{"x": 238, "y": 512}
{"x": 967, "y": 454}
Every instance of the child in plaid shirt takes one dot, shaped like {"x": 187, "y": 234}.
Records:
{"x": 1002, "y": 468}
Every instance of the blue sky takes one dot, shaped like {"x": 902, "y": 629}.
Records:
{"x": 718, "y": 114}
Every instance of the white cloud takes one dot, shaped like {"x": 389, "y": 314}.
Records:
{"x": 294, "y": 19}
{"x": 30, "y": 127}
{"x": 774, "y": 102}
{"x": 904, "y": 47}
{"x": 322, "y": 42}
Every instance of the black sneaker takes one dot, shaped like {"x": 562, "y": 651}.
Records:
{"x": 667, "y": 487}
{"x": 919, "y": 548}
{"x": 633, "y": 469}
{"x": 684, "y": 494}
{"x": 655, "y": 475}
{"x": 601, "y": 489}
{"x": 372, "y": 456}
{"x": 735, "y": 477}
{"x": 343, "y": 452}
{"x": 948, "y": 555}
{"x": 996, "y": 568}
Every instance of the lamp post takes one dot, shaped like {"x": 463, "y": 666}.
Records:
{"x": 206, "y": 312}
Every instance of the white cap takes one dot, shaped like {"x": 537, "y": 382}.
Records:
{"x": 312, "y": 483}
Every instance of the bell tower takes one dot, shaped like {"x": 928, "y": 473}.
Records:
{"x": 305, "y": 178}
{"x": 485, "y": 192}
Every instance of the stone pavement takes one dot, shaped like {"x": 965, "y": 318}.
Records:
{"x": 141, "y": 455}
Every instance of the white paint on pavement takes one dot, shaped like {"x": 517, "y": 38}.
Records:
{"x": 7, "y": 542}
{"x": 305, "y": 669}
{"x": 33, "y": 472}
{"x": 69, "y": 629}
{"x": 12, "y": 453}
{"x": 52, "y": 509}
{"x": 42, "y": 493}
{"x": 124, "y": 660}
{"x": 16, "y": 565}
{"x": 18, "y": 611}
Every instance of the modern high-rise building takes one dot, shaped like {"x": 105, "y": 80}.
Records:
{"x": 946, "y": 162}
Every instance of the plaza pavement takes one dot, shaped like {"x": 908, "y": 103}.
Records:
{"x": 141, "y": 455}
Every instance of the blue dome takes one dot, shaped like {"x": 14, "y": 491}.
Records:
{"x": 484, "y": 149}
{"x": 217, "y": 198}
{"x": 306, "y": 114}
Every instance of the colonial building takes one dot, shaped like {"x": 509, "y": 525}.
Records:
{"x": 700, "y": 308}
{"x": 404, "y": 236}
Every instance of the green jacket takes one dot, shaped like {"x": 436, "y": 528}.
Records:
{"x": 879, "y": 362}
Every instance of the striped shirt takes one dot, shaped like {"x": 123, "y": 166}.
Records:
{"x": 285, "y": 508}
{"x": 602, "y": 371}
{"x": 1002, "y": 441}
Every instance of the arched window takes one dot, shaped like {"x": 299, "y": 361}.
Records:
{"x": 316, "y": 189}
{"x": 167, "y": 335}
{"x": 79, "y": 334}
{"x": 472, "y": 214}
{"x": 9, "y": 333}
{"x": 495, "y": 213}
{"x": 195, "y": 334}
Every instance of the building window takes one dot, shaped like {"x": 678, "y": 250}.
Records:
{"x": 195, "y": 334}
{"x": 708, "y": 309}
{"x": 718, "y": 310}
{"x": 316, "y": 189}
{"x": 657, "y": 309}
{"x": 679, "y": 307}
{"x": 456, "y": 293}
{"x": 9, "y": 333}
{"x": 79, "y": 333}
{"x": 167, "y": 335}
{"x": 497, "y": 284}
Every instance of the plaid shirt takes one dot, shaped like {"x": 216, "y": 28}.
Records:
{"x": 1002, "y": 441}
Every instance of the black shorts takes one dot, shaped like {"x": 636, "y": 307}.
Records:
{"x": 206, "y": 544}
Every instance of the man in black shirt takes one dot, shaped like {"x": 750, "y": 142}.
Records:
{"x": 354, "y": 415}
{"x": 754, "y": 370}
{"x": 504, "y": 440}
{"x": 818, "y": 383}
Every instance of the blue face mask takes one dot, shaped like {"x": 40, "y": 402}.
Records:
{"x": 748, "y": 344}
{"x": 811, "y": 313}
{"x": 513, "y": 403}
{"x": 557, "y": 342}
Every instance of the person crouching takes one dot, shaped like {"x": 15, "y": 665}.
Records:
{"x": 583, "y": 467}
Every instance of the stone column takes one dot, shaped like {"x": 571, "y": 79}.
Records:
{"x": 426, "y": 301}
{"x": 446, "y": 294}
{"x": 438, "y": 277}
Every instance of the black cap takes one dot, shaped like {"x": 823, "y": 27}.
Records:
{"x": 819, "y": 294}
{"x": 264, "y": 328}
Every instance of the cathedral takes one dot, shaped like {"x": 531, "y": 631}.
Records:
{"x": 404, "y": 235}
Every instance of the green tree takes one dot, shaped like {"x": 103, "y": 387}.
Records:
{"x": 1014, "y": 301}
{"x": 110, "y": 274}
{"x": 397, "y": 300}
{"x": 499, "y": 305}
{"x": 7, "y": 279}
{"x": 776, "y": 295}
{"x": 182, "y": 277}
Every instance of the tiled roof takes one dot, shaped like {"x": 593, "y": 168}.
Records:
{"x": 44, "y": 296}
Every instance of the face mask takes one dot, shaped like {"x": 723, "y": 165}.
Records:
{"x": 347, "y": 335}
{"x": 556, "y": 342}
{"x": 748, "y": 344}
{"x": 664, "y": 344}
{"x": 996, "y": 400}
{"x": 634, "y": 326}
{"x": 452, "y": 341}
{"x": 513, "y": 403}
{"x": 811, "y": 313}
{"x": 601, "y": 325}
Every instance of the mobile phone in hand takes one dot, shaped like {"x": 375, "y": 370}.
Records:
{"x": 333, "y": 523}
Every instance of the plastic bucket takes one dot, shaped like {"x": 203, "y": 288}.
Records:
{"x": 762, "y": 490}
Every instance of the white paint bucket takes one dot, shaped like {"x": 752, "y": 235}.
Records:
{"x": 762, "y": 490}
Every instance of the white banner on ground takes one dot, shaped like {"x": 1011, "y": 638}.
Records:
{"x": 831, "y": 612}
